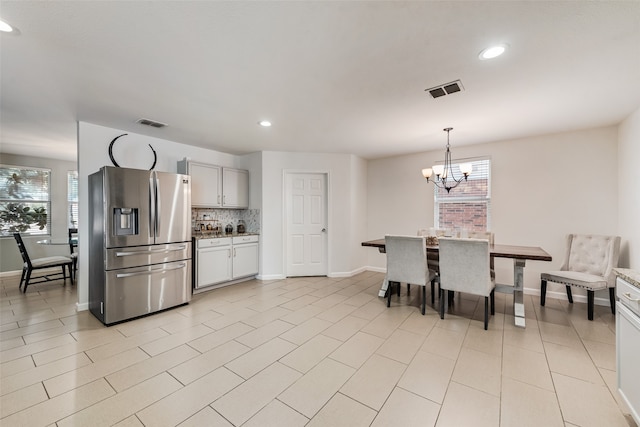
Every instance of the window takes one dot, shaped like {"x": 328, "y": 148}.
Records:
{"x": 25, "y": 200}
{"x": 72, "y": 199}
{"x": 468, "y": 206}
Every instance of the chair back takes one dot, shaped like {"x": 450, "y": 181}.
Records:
{"x": 592, "y": 254}
{"x": 406, "y": 259}
{"x": 73, "y": 234}
{"x": 485, "y": 235}
{"x": 464, "y": 265}
{"x": 23, "y": 249}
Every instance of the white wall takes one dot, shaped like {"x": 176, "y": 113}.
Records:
{"x": 629, "y": 200}
{"x": 129, "y": 151}
{"x": 542, "y": 189}
{"x": 343, "y": 241}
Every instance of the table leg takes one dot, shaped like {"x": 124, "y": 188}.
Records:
{"x": 383, "y": 288}
{"x": 518, "y": 292}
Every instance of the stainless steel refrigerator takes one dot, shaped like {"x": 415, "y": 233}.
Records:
{"x": 139, "y": 243}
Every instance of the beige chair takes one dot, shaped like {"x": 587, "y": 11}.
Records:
{"x": 588, "y": 264}
{"x": 464, "y": 267}
{"x": 407, "y": 263}
{"x": 30, "y": 265}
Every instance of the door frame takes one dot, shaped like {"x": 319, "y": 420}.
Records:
{"x": 285, "y": 198}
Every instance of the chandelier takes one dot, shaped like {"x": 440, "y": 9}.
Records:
{"x": 444, "y": 173}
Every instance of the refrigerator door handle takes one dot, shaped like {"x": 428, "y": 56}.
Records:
{"x": 158, "y": 200}
{"x": 153, "y": 271}
{"x": 164, "y": 250}
{"x": 152, "y": 207}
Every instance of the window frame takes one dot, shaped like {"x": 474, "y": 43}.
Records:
{"x": 481, "y": 199}
{"x": 72, "y": 175}
{"x": 45, "y": 190}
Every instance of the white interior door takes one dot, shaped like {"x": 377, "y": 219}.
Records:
{"x": 306, "y": 221}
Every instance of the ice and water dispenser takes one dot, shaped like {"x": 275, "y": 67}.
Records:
{"x": 125, "y": 221}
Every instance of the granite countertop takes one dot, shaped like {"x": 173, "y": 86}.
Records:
{"x": 212, "y": 235}
{"x": 631, "y": 276}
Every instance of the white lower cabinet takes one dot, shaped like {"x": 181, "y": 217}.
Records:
{"x": 221, "y": 260}
{"x": 245, "y": 256}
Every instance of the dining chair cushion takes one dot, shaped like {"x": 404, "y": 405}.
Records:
{"x": 576, "y": 278}
{"x": 50, "y": 260}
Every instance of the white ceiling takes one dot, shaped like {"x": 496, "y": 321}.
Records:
{"x": 340, "y": 77}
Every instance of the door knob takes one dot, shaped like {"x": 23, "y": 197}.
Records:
{"x": 324, "y": 230}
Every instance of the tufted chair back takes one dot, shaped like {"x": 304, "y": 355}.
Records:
{"x": 592, "y": 254}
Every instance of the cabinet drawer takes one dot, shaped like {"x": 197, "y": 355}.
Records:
{"x": 212, "y": 243}
{"x": 628, "y": 295}
{"x": 237, "y": 240}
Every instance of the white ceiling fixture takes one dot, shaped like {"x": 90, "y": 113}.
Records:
{"x": 493, "y": 51}
{"x": 264, "y": 123}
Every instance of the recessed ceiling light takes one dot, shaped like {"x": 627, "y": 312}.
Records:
{"x": 264, "y": 123}
{"x": 493, "y": 51}
{"x": 5, "y": 28}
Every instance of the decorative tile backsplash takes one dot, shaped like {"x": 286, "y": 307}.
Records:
{"x": 251, "y": 218}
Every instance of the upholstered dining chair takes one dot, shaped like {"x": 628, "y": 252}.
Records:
{"x": 465, "y": 267}
{"x": 407, "y": 263}
{"x": 588, "y": 263}
{"x": 73, "y": 243}
{"x": 29, "y": 265}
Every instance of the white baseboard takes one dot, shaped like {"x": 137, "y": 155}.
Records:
{"x": 270, "y": 277}
{"x": 11, "y": 273}
{"x": 376, "y": 269}
{"x": 82, "y": 307}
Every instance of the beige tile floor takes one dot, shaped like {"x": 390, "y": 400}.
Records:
{"x": 305, "y": 351}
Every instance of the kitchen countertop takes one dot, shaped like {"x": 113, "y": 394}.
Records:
{"x": 631, "y": 276}
{"x": 210, "y": 235}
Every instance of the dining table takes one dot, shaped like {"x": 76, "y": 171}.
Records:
{"x": 519, "y": 254}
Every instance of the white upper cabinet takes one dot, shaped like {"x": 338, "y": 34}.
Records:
{"x": 206, "y": 183}
{"x": 235, "y": 188}
{"x": 216, "y": 187}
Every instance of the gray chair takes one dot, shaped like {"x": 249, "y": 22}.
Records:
{"x": 40, "y": 263}
{"x": 588, "y": 264}
{"x": 407, "y": 263}
{"x": 465, "y": 267}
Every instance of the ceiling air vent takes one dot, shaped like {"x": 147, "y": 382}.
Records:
{"x": 445, "y": 89}
{"x": 151, "y": 123}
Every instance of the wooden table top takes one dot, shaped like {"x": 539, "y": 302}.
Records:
{"x": 533, "y": 253}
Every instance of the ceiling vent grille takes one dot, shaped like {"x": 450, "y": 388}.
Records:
{"x": 445, "y": 89}
{"x": 151, "y": 123}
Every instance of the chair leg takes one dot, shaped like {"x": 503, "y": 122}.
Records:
{"x": 569, "y": 295}
{"x": 26, "y": 281}
{"x": 590, "y": 298}
{"x": 492, "y": 297}
{"x": 22, "y": 277}
{"x": 64, "y": 273}
{"x": 442, "y": 291}
{"x": 543, "y": 292}
{"x": 408, "y": 289}
{"x": 433, "y": 289}
{"x": 399, "y": 286}
{"x": 450, "y": 295}
{"x": 424, "y": 299}
{"x": 389, "y": 292}
{"x": 612, "y": 300}
{"x": 486, "y": 313}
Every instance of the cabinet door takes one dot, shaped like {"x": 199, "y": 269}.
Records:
{"x": 245, "y": 260}
{"x": 213, "y": 265}
{"x": 235, "y": 188}
{"x": 206, "y": 185}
